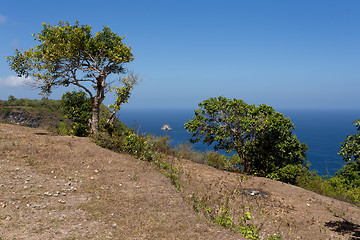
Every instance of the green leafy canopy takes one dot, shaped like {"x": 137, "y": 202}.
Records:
{"x": 261, "y": 136}
{"x": 350, "y": 151}
{"x": 70, "y": 54}
{"x": 350, "y": 148}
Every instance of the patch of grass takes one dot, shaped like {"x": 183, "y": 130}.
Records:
{"x": 114, "y": 143}
{"x": 222, "y": 214}
{"x": 275, "y": 237}
{"x": 29, "y": 161}
{"x": 134, "y": 177}
{"x": 248, "y": 230}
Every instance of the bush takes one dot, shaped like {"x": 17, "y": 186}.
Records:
{"x": 330, "y": 186}
{"x": 139, "y": 146}
{"x": 79, "y": 129}
{"x": 77, "y": 107}
{"x": 61, "y": 128}
{"x": 289, "y": 174}
{"x": 104, "y": 140}
{"x": 187, "y": 151}
{"x": 160, "y": 144}
{"x": 350, "y": 173}
{"x": 215, "y": 160}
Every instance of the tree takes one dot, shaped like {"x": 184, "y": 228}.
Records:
{"x": 350, "y": 151}
{"x": 262, "y": 137}
{"x": 71, "y": 54}
{"x": 11, "y": 99}
{"x": 350, "y": 148}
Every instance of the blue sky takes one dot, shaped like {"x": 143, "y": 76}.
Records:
{"x": 287, "y": 54}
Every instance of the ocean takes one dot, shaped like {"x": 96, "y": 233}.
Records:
{"x": 321, "y": 130}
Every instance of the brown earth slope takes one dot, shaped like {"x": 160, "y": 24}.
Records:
{"x": 63, "y": 187}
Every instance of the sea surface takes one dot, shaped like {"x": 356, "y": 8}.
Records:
{"x": 321, "y": 130}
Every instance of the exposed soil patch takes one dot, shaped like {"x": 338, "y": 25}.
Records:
{"x": 63, "y": 187}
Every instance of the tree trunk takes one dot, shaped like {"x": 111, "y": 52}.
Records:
{"x": 244, "y": 161}
{"x": 95, "y": 116}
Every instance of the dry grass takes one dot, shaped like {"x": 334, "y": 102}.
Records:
{"x": 63, "y": 187}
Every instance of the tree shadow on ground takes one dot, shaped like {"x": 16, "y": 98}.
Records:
{"x": 345, "y": 228}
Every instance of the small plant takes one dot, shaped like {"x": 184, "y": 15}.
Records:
{"x": 134, "y": 177}
{"x": 29, "y": 161}
{"x": 225, "y": 218}
{"x": 275, "y": 237}
{"x": 248, "y": 230}
{"x": 173, "y": 175}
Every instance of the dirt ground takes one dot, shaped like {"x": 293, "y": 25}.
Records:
{"x": 64, "y": 187}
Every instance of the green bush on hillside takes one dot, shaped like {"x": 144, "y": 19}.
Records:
{"x": 289, "y": 174}
{"x": 77, "y": 107}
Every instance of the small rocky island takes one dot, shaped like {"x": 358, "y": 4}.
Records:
{"x": 166, "y": 127}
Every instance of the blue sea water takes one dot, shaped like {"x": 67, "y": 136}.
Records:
{"x": 321, "y": 130}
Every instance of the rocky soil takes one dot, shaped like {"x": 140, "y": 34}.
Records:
{"x": 64, "y": 187}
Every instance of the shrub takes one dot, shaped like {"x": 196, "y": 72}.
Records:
{"x": 187, "y": 151}
{"x": 61, "y": 128}
{"x": 77, "y": 107}
{"x": 234, "y": 163}
{"x": 160, "y": 144}
{"x": 350, "y": 173}
{"x": 138, "y": 146}
{"x": 104, "y": 140}
{"x": 79, "y": 129}
{"x": 215, "y": 159}
{"x": 289, "y": 174}
{"x": 330, "y": 186}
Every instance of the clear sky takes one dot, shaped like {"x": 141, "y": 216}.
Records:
{"x": 287, "y": 54}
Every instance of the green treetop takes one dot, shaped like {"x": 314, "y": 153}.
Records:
{"x": 72, "y": 55}
{"x": 261, "y": 136}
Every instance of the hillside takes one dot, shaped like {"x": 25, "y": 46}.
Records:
{"x": 45, "y": 113}
{"x": 65, "y": 187}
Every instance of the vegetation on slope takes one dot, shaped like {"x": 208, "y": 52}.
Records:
{"x": 52, "y": 115}
{"x": 157, "y": 151}
{"x": 44, "y": 113}
{"x": 55, "y": 115}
